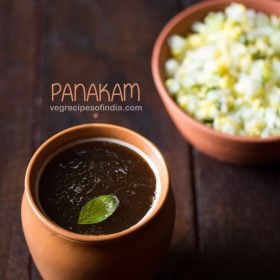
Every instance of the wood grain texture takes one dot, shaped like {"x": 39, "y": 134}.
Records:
{"x": 237, "y": 218}
{"x": 236, "y": 208}
{"x": 88, "y": 42}
{"x": 17, "y": 83}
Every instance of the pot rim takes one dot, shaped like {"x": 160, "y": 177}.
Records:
{"x": 53, "y": 227}
{"x": 157, "y": 49}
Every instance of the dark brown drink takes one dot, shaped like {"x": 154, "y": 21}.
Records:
{"x": 86, "y": 170}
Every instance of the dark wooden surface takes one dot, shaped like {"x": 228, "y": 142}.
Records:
{"x": 228, "y": 217}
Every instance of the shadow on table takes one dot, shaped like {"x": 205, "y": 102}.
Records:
{"x": 238, "y": 219}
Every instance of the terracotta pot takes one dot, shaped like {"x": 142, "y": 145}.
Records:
{"x": 134, "y": 253}
{"x": 235, "y": 149}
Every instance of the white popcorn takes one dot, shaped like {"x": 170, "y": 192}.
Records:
{"x": 227, "y": 73}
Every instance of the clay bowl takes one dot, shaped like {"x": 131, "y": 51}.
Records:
{"x": 234, "y": 149}
{"x": 134, "y": 253}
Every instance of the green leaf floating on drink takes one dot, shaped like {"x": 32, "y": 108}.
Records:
{"x": 98, "y": 209}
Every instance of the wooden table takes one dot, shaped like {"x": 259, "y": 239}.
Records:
{"x": 228, "y": 217}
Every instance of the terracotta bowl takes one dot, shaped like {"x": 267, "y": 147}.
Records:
{"x": 235, "y": 149}
{"x": 134, "y": 253}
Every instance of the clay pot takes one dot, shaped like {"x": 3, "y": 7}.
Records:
{"x": 134, "y": 253}
{"x": 235, "y": 149}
